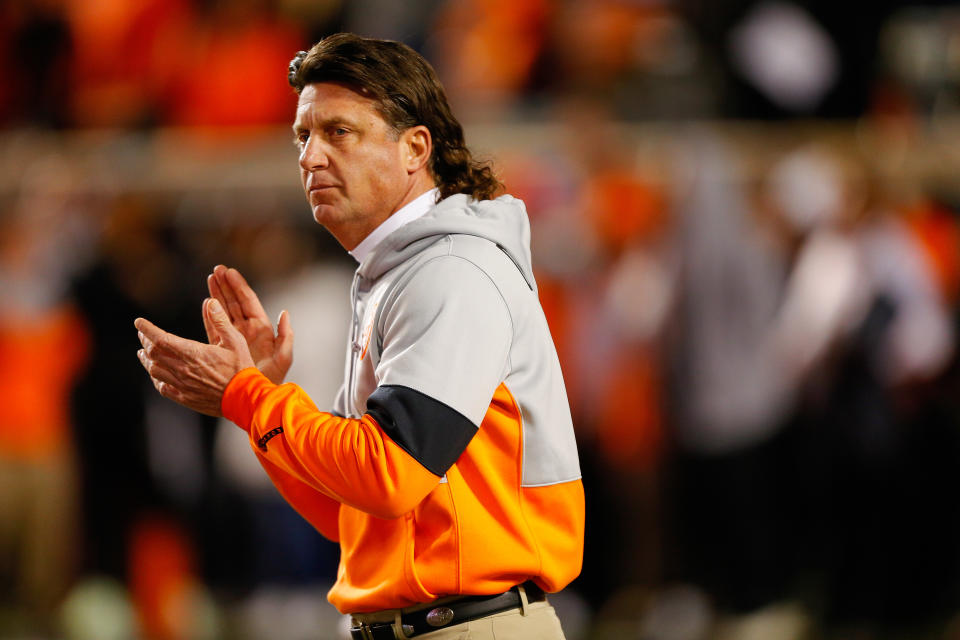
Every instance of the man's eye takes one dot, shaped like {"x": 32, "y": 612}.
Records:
{"x": 339, "y": 131}
{"x": 302, "y": 137}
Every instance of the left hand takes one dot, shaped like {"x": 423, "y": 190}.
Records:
{"x": 272, "y": 353}
{"x": 189, "y": 372}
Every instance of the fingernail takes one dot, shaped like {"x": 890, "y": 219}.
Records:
{"x": 140, "y": 335}
{"x": 215, "y": 306}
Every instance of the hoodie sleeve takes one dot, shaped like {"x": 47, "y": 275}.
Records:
{"x": 446, "y": 337}
{"x": 349, "y": 460}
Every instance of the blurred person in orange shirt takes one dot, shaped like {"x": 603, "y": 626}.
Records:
{"x": 43, "y": 345}
{"x": 227, "y": 73}
{"x": 179, "y": 62}
{"x": 487, "y": 51}
{"x": 126, "y": 53}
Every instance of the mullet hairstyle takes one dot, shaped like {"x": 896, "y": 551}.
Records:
{"x": 407, "y": 93}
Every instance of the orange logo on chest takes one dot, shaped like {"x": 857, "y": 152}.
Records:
{"x": 368, "y": 330}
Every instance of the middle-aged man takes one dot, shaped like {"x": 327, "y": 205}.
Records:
{"x": 448, "y": 468}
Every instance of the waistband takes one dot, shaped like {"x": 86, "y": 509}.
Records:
{"x": 419, "y": 619}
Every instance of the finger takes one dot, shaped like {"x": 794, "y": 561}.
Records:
{"x": 249, "y": 302}
{"x": 228, "y": 297}
{"x": 157, "y": 376}
{"x": 146, "y": 330}
{"x": 284, "y": 327}
{"x": 156, "y": 353}
{"x": 156, "y": 340}
{"x": 150, "y": 348}
{"x": 157, "y": 370}
{"x": 167, "y": 390}
{"x": 213, "y": 285}
{"x": 284, "y": 344}
{"x": 176, "y": 369}
{"x": 212, "y": 336}
{"x": 186, "y": 398}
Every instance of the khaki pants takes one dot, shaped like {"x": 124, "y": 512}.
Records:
{"x": 37, "y": 532}
{"x": 535, "y": 621}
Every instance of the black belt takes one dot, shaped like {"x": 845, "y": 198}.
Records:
{"x": 443, "y": 615}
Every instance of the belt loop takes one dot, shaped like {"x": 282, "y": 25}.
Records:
{"x": 365, "y": 633}
{"x": 523, "y": 599}
{"x": 397, "y": 625}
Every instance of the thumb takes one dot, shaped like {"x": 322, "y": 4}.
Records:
{"x": 216, "y": 318}
{"x": 212, "y": 337}
{"x": 284, "y": 338}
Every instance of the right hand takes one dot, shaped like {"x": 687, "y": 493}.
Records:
{"x": 272, "y": 353}
{"x": 189, "y": 372}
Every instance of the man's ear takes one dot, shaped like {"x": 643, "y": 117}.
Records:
{"x": 416, "y": 147}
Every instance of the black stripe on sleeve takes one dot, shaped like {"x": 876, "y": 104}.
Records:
{"x": 430, "y": 431}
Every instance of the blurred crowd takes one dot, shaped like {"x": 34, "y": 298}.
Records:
{"x": 747, "y": 243}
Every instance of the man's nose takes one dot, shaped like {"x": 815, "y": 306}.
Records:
{"x": 313, "y": 155}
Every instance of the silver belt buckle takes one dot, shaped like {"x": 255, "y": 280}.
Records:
{"x": 439, "y": 616}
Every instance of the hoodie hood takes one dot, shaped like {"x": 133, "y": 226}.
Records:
{"x": 502, "y": 221}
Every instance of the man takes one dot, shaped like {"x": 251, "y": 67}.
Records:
{"x": 448, "y": 469}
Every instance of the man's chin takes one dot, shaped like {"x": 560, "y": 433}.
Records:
{"x": 324, "y": 213}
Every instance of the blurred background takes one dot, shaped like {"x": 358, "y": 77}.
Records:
{"x": 747, "y": 244}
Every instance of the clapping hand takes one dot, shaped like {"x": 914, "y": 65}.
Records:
{"x": 190, "y": 372}
{"x": 272, "y": 353}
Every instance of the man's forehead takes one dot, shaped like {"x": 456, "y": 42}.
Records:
{"x": 324, "y": 98}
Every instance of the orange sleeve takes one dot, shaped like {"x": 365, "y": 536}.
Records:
{"x": 350, "y": 460}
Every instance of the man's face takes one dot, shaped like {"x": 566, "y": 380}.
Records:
{"x": 351, "y": 161}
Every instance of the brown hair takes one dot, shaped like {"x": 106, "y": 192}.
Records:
{"x": 408, "y": 93}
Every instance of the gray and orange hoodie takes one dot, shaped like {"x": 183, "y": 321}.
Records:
{"x": 448, "y": 465}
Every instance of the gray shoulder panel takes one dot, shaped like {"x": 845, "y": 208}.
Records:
{"x": 534, "y": 378}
